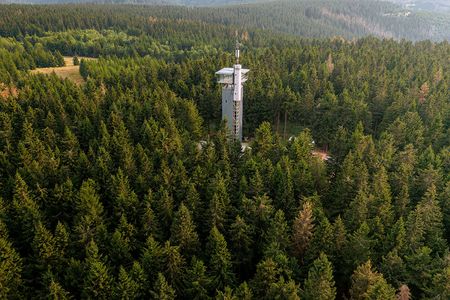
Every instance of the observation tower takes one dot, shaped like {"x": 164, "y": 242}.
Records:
{"x": 232, "y": 80}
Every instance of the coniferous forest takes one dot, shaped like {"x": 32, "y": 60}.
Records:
{"x": 127, "y": 186}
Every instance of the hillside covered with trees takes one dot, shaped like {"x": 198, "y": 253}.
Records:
{"x": 306, "y": 18}
{"x": 107, "y": 192}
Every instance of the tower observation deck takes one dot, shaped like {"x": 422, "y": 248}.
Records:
{"x": 232, "y": 80}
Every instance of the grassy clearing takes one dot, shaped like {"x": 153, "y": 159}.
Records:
{"x": 69, "y": 71}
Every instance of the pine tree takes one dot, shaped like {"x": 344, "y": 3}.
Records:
{"x": 264, "y": 141}
{"x": 339, "y": 234}
{"x": 369, "y": 284}
{"x": 360, "y": 245}
{"x": 358, "y": 211}
{"x": 219, "y": 204}
{"x": 46, "y": 252}
{"x": 278, "y": 233}
{"x": 244, "y": 292}
{"x": 126, "y": 287}
{"x": 183, "y": 231}
{"x": 403, "y": 293}
{"x": 420, "y": 265}
{"x": 76, "y": 61}
{"x": 441, "y": 281}
{"x": 353, "y": 175}
{"x": 98, "y": 283}
{"x": 57, "y": 292}
{"x": 122, "y": 242}
{"x": 382, "y": 204}
{"x": 284, "y": 188}
{"x": 241, "y": 245}
{"x": 10, "y": 271}
{"x": 256, "y": 184}
{"x": 424, "y": 224}
{"x": 89, "y": 219}
{"x": 302, "y": 230}
{"x": 266, "y": 274}
{"x": 152, "y": 258}
{"x": 162, "y": 289}
{"x": 219, "y": 260}
{"x": 164, "y": 205}
{"x": 393, "y": 267}
{"x": 338, "y": 252}
{"x": 137, "y": 274}
{"x": 174, "y": 265}
{"x": 197, "y": 281}
{"x": 226, "y": 294}
{"x": 125, "y": 200}
{"x": 25, "y": 214}
{"x": 322, "y": 240}
{"x": 320, "y": 283}
{"x": 283, "y": 289}
{"x": 149, "y": 221}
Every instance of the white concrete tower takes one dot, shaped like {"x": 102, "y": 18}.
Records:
{"x": 232, "y": 80}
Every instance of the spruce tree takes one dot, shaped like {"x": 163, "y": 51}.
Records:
{"x": 57, "y": 292}
{"x": 183, "y": 232}
{"x": 89, "y": 219}
{"x": 424, "y": 224}
{"x": 219, "y": 260}
{"x": 241, "y": 241}
{"x": 174, "y": 266}
{"x": 162, "y": 290}
{"x": 197, "y": 282}
{"x": 126, "y": 287}
{"x": 98, "y": 283}
{"x": 10, "y": 271}
{"x": 369, "y": 284}
{"x": 403, "y": 293}
{"x": 25, "y": 214}
{"x": 152, "y": 259}
{"x": 302, "y": 230}
{"x": 320, "y": 283}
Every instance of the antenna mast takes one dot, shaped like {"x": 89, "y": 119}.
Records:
{"x": 237, "y": 51}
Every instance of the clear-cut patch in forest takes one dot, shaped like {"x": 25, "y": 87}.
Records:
{"x": 69, "y": 71}
{"x": 6, "y": 91}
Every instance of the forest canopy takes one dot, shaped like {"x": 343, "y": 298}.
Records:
{"x": 128, "y": 186}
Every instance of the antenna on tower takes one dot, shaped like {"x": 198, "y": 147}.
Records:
{"x": 237, "y": 51}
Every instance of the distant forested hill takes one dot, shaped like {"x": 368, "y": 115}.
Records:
{"x": 432, "y": 5}
{"x": 316, "y": 19}
{"x": 147, "y": 2}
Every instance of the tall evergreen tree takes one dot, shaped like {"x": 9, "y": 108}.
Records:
{"x": 302, "y": 230}
{"x": 10, "y": 271}
{"x": 219, "y": 260}
{"x": 369, "y": 284}
{"x": 98, "y": 283}
{"x": 183, "y": 231}
{"x": 320, "y": 282}
{"x": 162, "y": 289}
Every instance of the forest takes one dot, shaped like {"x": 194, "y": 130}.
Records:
{"x": 305, "y": 18}
{"x": 128, "y": 186}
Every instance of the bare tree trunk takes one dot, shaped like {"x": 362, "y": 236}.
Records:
{"x": 285, "y": 123}
{"x": 278, "y": 122}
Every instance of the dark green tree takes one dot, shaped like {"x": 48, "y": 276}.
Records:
{"x": 219, "y": 260}
{"x": 320, "y": 282}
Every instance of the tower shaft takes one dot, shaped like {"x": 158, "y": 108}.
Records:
{"x": 232, "y": 80}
